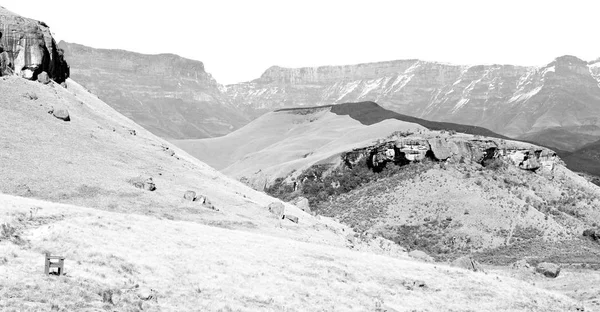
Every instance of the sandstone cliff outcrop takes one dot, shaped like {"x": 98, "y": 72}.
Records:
{"x": 459, "y": 148}
{"x": 28, "y": 49}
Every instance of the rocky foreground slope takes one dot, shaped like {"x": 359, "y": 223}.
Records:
{"x": 557, "y": 105}
{"x": 171, "y": 96}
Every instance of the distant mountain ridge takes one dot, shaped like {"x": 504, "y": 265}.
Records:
{"x": 557, "y": 105}
{"x": 515, "y": 101}
{"x": 169, "y": 95}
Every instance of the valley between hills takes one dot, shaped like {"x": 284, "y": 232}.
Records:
{"x": 393, "y": 186}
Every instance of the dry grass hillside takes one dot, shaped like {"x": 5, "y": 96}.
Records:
{"x": 115, "y": 261}
{"x": 69, "y": 189}
{"x": 506, "y": 214}
{"x": 94, "y": 159}
{"x": 278, "y": 143}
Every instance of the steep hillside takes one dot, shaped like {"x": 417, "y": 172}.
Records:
{"x": 97, "y": 158}
{"x": 510, "y": 100}
{"x": 169, "y": 95}
{"x": 586, "y": 159}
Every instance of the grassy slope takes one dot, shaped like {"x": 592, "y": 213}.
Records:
{"x": 280, "y": 142}
{"x": 193, "y": 267}
{"x": 89, "y": 160}
{"x": 482, "y": 208}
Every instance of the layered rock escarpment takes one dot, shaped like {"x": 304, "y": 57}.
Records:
{"x": 27, "y": 49}
{"x": 454, "y": 149}
{"x": 556, "y": 105}
{"x": 169, "y": 95}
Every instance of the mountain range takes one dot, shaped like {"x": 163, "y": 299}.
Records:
{"x": 557, "y": 105}
{"x": 169, "y": 95}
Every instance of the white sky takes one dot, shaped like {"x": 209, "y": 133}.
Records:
{"x": 238, "y": 40}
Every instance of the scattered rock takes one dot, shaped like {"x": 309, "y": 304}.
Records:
{"x": 132, "y": 132}
{"x": 520, "y": 265}
{"x": 548, "y": 269}
{"x": 414, "y": 284}
{"x": 302, "y": 203}
{"x": 593, "y": 234}
{"x": 277, "y": 208}
{"x": 466, "y": 262}
{"x": 61, "y": 114}
{"x": 351, "y": 239}
{"x": 205, "y": 202}
{"x": 420, "y": 255}
{"x": 145, "y": 293}
{"x": 190, "y": 195}
{"x": 43, "y": 78}
{"x": 147, "y": 185}
{"x": 292, "y": 218}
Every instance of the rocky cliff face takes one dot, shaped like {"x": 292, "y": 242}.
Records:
{"x": 520, "y": 102}
{"x": 455, "y": 149}
{"x": 169, "y": 95}
{"x": 27, "y": 49}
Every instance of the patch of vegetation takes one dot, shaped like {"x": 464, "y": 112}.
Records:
{"x": 494, "y": 164}
{"x": 11, "y": 233}
{"x": 522, "y": 234}
{"x": 574, "y": 251}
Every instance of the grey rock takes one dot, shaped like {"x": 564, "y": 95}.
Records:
{"x": 149, "y": 185}
{"x": 43, "y": 78}
{"x": 145, "y": 293}
{"x": 420, "y": 255}
{"x": 292, "y": 218}
{"x": 61, "y": 114}
{"x": 190, "y": 195}
{"x": 548, "y": 269}
{"x": 302, "y": 203}
{"x": 277, "y": 209}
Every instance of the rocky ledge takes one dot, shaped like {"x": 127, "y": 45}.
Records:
{"x": 27, "y": 49}
{"x": 460, "y": 148}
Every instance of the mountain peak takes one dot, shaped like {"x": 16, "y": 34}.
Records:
{"x": 569, "y": 59}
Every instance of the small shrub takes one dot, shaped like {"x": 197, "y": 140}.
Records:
{"x": 495, "y": 164}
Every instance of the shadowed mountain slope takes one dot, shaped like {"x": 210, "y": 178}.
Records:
{"x": 171, "y": 96}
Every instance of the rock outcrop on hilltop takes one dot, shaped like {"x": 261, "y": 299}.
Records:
{"x": 169, "y": 95}
{"x": 454, "y": 149}
{"x": 28, "y": 49}
{"x": 557, "y": 105}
